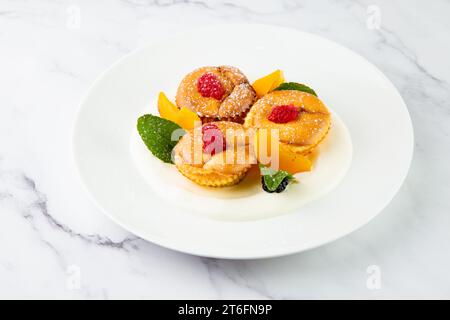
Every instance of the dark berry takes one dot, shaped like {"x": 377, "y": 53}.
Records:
{"x": 283, "y": 114}
{"x": 264, "y": 185}
{"x": 282, "y": 185}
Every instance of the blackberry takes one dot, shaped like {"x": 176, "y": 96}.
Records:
{"x": 264, "y": 185}
{"x": 282, "y": 185}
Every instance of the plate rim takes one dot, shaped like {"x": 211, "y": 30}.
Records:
{"x": 176, "y": 245}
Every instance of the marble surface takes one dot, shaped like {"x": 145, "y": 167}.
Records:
{"x": 55, "y": 244}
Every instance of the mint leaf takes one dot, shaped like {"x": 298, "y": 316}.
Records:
{"x": 295, "y": 86}
{"x": 156, "y": 133}
{"x": 272, "y": 178}
{"x": 266, "y": 170}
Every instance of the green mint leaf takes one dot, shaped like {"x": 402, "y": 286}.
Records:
{"x": 156, "y": 133}
{"x": 273, "y": 181}
{"x": 295, "y": 86}
{"x": 272, "y": 178}
{"x": 266, "y": 170}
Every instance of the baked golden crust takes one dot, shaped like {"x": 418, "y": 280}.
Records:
{"x": 221, "y": 169}
{"x": 235, "y": 103}
{"x": 209, "y": 178}
{"x": 301, "y": 135}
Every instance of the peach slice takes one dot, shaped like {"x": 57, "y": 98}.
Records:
{"x": 167, "y": 109}
{"x": 187, "y": 118}
{"x": 184, "y": 117}
{"x": 268, "y": 83}
{"x": 293, "y": 162}
{"x": 265, "y": 140}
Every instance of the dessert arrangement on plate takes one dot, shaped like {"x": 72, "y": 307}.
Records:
{"x": 221, "y": 126}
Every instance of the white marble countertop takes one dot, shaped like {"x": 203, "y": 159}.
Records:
{"x": 55, "y": 244}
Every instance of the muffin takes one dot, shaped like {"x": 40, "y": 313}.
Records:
{"x": 217, "y": 154}
{"x": 301, "y": 118}
{"x": 216, "y": 94}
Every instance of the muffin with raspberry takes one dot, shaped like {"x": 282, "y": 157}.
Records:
{"x": 217, "y": 154}
{"x": 216, "y": 94}
{"x": 301, "y": 118}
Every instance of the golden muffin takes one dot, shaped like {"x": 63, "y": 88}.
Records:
{"x": 216, "y": 154}
{"x": 216, "y": 94}
{"x": 301, "y": 118}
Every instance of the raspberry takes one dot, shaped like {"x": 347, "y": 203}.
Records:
{"x": 209, "y": 126}
{"x": 209, "y": 86}
{"x": 283, "y": 114}
{"x": 213, "y": 139}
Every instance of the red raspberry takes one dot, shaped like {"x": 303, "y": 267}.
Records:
{"x": 213, "y": 139}
{"x": 283, "y": 114}
{"x": 209, "y": 86}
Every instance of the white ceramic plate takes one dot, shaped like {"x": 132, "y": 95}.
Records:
{"x": 369, "y": 167}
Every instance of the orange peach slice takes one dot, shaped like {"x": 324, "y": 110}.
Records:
{"x": 184, "y": 117}
{"x": 187, "y": 119}
{"x": 265, "y": 140}
{"x": 293, "y": 162}
{"x": 268, "y": 83}
{"x": 167, "y": 109}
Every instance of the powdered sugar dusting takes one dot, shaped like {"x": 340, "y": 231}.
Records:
{"x": 309, "y": 128}
{"x": 237, "y": 98}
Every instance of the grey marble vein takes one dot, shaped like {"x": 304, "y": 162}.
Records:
{"x": 40, "y": 203}
{"x": 41, "y": 233}
{"x": 238, "y": 274}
